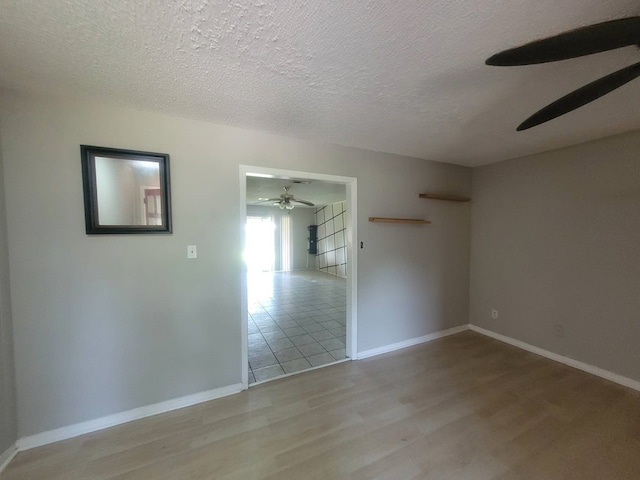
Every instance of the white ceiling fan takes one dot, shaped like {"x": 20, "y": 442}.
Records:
{"x": 285, "y": 199}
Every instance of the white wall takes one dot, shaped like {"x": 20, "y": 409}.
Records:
{"x": 103, "y": 324}
{"x": 8, "y": 414}
{"x": 301, "y": 218}
{"x": 556, "y": 241}
{"x": 115, "y": 175}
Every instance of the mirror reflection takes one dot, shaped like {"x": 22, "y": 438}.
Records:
{"x": 128, "y": 192}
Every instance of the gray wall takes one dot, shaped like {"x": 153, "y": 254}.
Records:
{"x": 556, "y": 241}
{"x": 301, "y": 218}
{"x": 103, "y": 324}
{"x": 8, "y": 416}
{"x": 113, "y": 175}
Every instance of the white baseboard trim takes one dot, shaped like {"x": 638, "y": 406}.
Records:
{"x": 411, "y": 342}
{"x": 597, "y": 371}
{"x": 70, "y": 431}
{"x": 329, "y": 273}
{"x": 7, "y": 456}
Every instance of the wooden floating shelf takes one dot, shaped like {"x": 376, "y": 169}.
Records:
{"x": 415, "y": 221}
{"x": 441, "y": 196}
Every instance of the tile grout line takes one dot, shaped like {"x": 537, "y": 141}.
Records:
{"x": 329, "y": 310}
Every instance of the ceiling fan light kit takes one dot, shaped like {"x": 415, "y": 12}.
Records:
{"x": 284, "y": 205}
{"x": 579, "y": 42}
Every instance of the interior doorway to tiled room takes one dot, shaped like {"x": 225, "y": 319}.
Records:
{"x": 296, "y": 256}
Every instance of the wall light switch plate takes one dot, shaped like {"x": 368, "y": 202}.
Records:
{"x": 192, "y": 251}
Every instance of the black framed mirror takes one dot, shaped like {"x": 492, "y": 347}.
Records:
{"x": 125, "y": 191}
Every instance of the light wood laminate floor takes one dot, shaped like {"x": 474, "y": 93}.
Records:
{"x": 462, "y": 407}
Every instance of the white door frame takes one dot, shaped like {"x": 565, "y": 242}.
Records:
{"x": 351, "y": 184}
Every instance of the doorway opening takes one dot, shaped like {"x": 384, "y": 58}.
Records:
{"x": 298, "y": 278}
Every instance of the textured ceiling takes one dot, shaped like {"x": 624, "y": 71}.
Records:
{"x": 404, "y": 77}
{"x": 317, "y": 192}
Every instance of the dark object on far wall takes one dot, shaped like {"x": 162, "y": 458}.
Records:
{"x": 313, "y": 239}
{"x": 125, "y": 191}
{"x": 576, "y": 43}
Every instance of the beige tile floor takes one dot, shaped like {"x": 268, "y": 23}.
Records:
{"x": 297, "y": 320}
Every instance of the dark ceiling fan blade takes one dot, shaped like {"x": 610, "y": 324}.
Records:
{"x": 574, "y": 43}
{"x": 582, "y": 96}
{"x": 303, "y": 201}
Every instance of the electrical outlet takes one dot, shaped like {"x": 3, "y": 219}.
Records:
{"x": 494, "y": 313}
{"x": 559, "y": 330}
